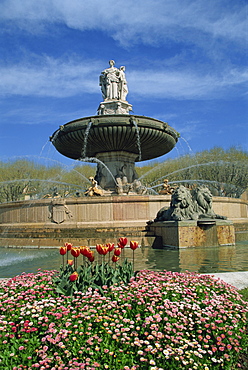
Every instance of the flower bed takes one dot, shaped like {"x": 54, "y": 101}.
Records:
{"x": 160, "y": 320}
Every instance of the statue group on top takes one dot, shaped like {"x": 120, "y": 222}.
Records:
{"x": 113, "y": 83}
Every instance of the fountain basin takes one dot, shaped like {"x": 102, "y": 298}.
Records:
{"x": 92, "y": 220}
{"x": 115, "y": 133}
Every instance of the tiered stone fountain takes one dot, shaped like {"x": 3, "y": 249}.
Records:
{"x": 114, "y": 138}
{"x": 118, "y": 205}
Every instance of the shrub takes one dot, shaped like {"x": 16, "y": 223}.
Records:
{"x": 159, "y": 320}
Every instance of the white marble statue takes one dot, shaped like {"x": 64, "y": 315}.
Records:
{"x": 123, "y": 90}
{"x": 113, "y": 83}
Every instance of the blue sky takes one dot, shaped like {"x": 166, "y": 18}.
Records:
{"x": 186, "y": 64}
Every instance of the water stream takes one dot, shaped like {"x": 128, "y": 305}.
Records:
{"x": 138, "y": 138}
{"x": 96, "y": 160}
{"x": 197, "y": 181}
{"x": 186, "y": 168}
{"x": 86, "y": 134}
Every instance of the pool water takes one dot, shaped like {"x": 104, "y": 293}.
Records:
{"x": 14, "y": 261}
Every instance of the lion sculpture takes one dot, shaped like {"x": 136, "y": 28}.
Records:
{"x": 187, "y": 206}
{"x": 202, "y": 199}
{"x": 181, "y": 207}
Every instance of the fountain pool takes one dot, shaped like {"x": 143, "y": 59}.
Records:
{"x": 14, "y": 261}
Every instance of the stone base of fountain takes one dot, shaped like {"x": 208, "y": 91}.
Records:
{"x": 189, "y": 233}
{"x": 92, "y": 220}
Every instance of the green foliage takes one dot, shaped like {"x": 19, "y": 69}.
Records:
{"x": 224, "y": 172}
{"x": 95, "y": 276}
{"x": 23, "y": 178}
{"x": 244, "y": 294}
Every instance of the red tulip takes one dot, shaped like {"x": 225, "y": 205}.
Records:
{"x": 62, "y": 251}
{"x": 91, "y": 256}
{"x": 68, "y": 246}
{"x": 70, "y": 262}
{"x": 122, "y": 242}
{"x": 102, "y": 249}
{"x": 99, "y": 248}
{"x": 117, "y": 251}
{"x": 134, "y": 245}
{"x": 84, "y": 250}
{"x": 75, "y": 251}
{"x": 110, "y": 246}
{"x": 73, "y": 276}
{"x": 115, "y": 258}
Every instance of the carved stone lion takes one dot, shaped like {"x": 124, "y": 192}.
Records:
{"x": 181, "y": 207}
{"x": 202, "y": 199}
{"x": 187, "y": 206}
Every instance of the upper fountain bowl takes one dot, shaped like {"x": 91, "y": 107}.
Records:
{"x": 87, "y": 137}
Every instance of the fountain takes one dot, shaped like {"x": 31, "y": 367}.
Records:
{"x": 117, "y": 203}
{"x": 114, "y": 137}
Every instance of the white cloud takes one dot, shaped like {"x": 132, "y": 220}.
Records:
{"x": 141, "y": 20}
{"x": 51, "y": 77}
{"x": 186, "y": 84}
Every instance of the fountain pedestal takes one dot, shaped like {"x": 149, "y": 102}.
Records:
{"x": 190, "y": 233}
{"x": 114, "y": 107}
{"x": 117, "y": 166}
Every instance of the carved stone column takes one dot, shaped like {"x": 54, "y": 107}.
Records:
{"x": 121, "y": 165}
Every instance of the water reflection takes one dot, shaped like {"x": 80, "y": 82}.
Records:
{"x": 203, "y": 260}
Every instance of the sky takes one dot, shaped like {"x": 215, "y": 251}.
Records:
{"x": 186, "y": 64}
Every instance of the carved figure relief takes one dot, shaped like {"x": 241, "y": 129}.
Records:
{"x": 59, "y": 211}
{"x": 93, "y": 189}
{"x": 166, "y": 188}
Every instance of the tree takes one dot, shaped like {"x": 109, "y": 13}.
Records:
{"x": 224, "y": 172}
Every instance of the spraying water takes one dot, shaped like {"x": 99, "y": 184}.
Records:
{"x": 189, "y": 147}
{"x": 40, "y": 180}
{"x": 42, "y": 149}
{"x": 54, "y": 137}
{"x": 96, "y": 160}
{"x": 138, "y": 138}
{"x": 86, "y": 134}
{"x": 185, "y": 168}
{"x": 196, "y": 181}
{"x": 56, "y": 162}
